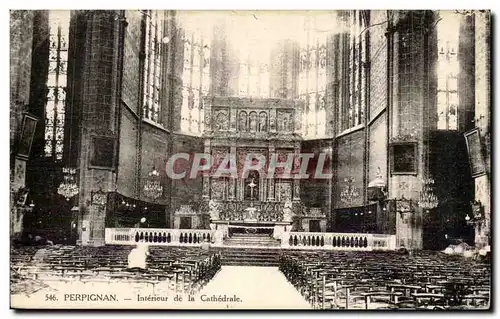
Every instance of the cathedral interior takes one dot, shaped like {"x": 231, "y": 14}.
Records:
{"x": 399, "y": 101}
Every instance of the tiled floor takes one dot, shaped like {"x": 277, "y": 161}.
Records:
{"x": 250, "y": 287}
{"x": 256, "y": 287}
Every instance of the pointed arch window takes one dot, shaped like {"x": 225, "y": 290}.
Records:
{"x": 56, "y": 83}
{"x": 312, "y": 76}
{"x": 447, "y": 71}
{"x": 196, "y": 42}
{"x": 354, "y": 112}
{"x": 153, "y": 40}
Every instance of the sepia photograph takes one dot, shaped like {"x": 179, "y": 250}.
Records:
{"x": 322, "y": 160}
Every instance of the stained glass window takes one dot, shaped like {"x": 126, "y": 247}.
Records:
{"x": 56, "y": 83}
{"x": 253, "y": 74}
{"x": 153, "y": 39}
{"x": 195, "y": 74}
{"x": 356, "y": 72}
{"x": 447, "y": 71}
{"x": 310, "y": 76}
{"x": 313, "y": 73}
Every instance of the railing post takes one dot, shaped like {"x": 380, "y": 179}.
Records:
{"x": 108, "y": 235}
{"x": 175, "y": 236}
{"x": 369, "y": 244}
{"x": 131, "y": 236}
{"x": 328, "y": 241}
{"x": 285, "y": 240}
{"x": 392, "y": 242}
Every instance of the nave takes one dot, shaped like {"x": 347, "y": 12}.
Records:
{"x": 256, "y": 287}
{"x": 304, "y": 279}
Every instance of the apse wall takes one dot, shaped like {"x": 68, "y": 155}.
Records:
{"x": 185, "y": 191}
{"x": 317, "y": 192}
{"x": 349, "y": 168}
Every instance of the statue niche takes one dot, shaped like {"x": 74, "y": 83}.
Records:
{"x": 285, "y": 121}
{"x": 262, "y": 122}
{"x": 214, "y": 210}
{"x": 221, "y": 123}
{"x": 287, "y": 211}
{"x": 243, "y": 127}
{"x": 219, "y": 188}
{"x": 253, "y": 121}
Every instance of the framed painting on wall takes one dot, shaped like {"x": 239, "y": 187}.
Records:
{"x": 102, "y": 152}
{"x": 404, "y": 158}
{"x": 26, "y": 138}
{"x": 474, "y": 150}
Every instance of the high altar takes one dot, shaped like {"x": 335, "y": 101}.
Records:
{"x": 257, "y": 202}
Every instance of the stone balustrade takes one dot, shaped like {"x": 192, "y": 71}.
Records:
{"x": 289, "y": 240}
{"x": 338, "y": 241}
{"x": 158, "y": 236}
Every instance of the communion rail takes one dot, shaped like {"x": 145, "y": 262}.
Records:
{"x": 158, "y": 236}
{"x": 339, "y": 241}
{"x": 292, "y": 240}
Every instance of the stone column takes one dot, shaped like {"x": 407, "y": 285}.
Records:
{"x": 272, "y": 121}
{"x": 270, "y": 179}
{"x": 232, "y": 181}
{"x": 241, "y": 189}
{"x": 99, "y": 90}
{"x": 263, "y": 187}
{"x": 21, "y": 39}
{"x": 407, "y": 45}
{"x": 174, "y": 70}
{"x": 296, "y": 182}
{"x": 206, "y": 179}
{"x": 483, "y": 120}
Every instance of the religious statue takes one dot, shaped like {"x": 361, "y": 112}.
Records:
{"x": 221, "y": 122}
{"x": 262, "y": 122}
{"x": 253, "y": 122}
{"x": 284, "y": 123}
{"x": 287, "y": 211}
{"x": 213, "y": 209}
{"x": 243, "y": 121}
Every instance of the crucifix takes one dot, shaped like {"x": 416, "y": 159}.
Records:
{"x": 252, "y": 186}
{"x": 251, "y": 211}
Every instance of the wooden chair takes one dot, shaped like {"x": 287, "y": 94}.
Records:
{"x": 385, "y": 304}
{"x": 431, "y": 299}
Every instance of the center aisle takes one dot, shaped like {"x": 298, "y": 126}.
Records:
{"x": 248, "y": 287}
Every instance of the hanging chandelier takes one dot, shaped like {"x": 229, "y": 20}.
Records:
{"x": 427, "y": 200}
{"x": 68, "y": 187}
{"x": 350, "y": 192}
{"x": 152, "y": 187}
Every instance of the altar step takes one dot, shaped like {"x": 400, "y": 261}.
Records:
{"x": 250, "y": 235}
{"x": 251, "y": 240}
{"x": 232, "y": 256}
